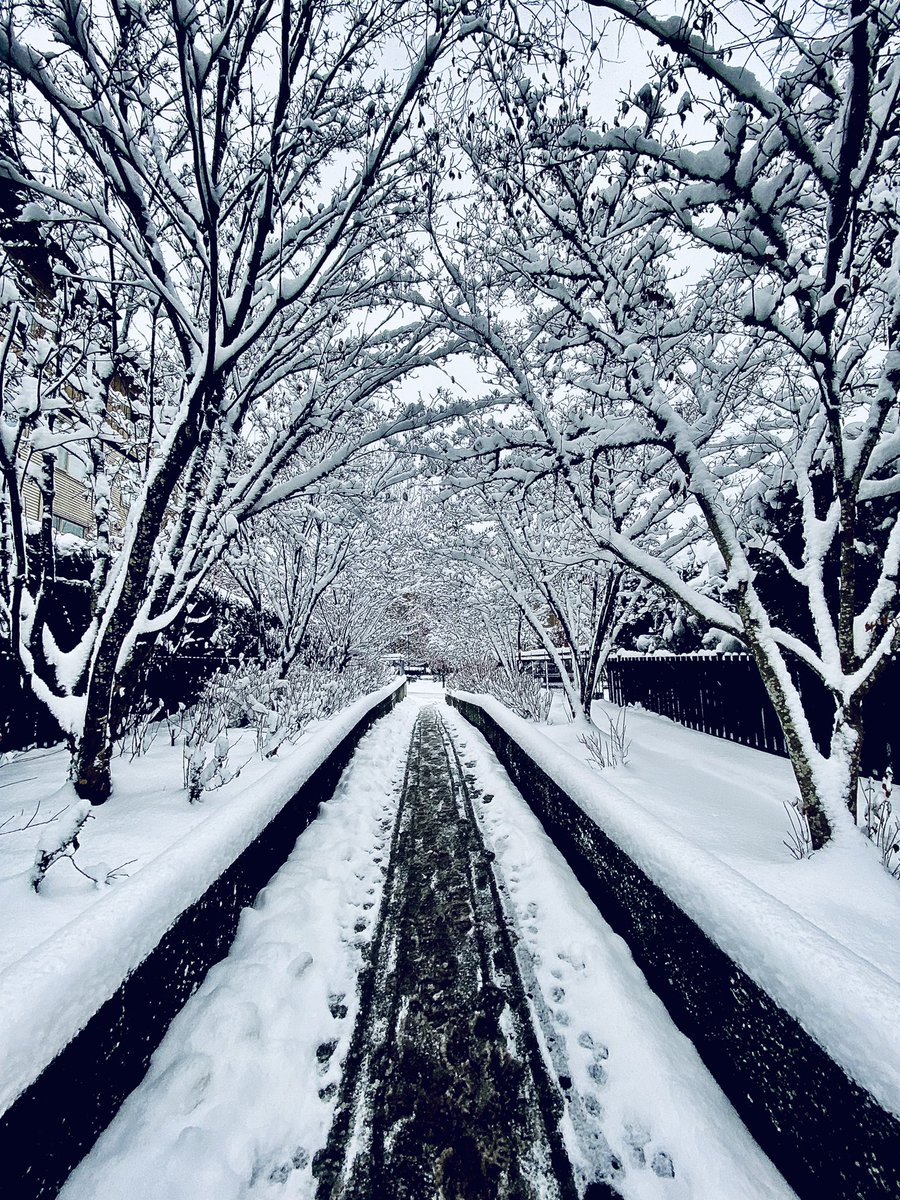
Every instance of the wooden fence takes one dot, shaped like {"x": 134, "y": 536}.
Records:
{"x": 725, "y": 696}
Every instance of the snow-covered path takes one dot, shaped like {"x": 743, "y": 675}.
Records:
{"x": 240, "y": 1096}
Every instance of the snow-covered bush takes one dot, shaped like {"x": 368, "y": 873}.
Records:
{"x": 522, "y": 693}
{"x": 276, "y": 708}
{"x": 206, "y": 747}
{"x": 280, "y": 708}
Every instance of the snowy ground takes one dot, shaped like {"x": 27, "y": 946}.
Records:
{"x": 64, "y": 951}
{"x": 240, "y": 1094}
{"x": 705, "y": 819}
{"x": 729, "y": 800}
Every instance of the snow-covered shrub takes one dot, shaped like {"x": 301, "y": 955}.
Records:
{"x": 360, "y": 677}
{"x": 522, "y": 693}
{"x": 880, "y": 822}
{"x": 609, "y": 749}
{"x": 277, "y": 710}
{"x": 280, "y": 709}
{"x": 206, "y": 746}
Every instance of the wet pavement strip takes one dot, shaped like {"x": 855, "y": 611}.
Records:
{"x": 446, "y": 1090}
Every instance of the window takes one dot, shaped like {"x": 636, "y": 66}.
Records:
{"x": 64, "y": 525}
{"x": 71, "y": 463}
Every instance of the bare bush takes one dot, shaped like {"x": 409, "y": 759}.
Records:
{"x": 610, "y": 749}
{"x": 523, "y": 694}
{"x": 799, "y": 838}
{"x": 880, "y": 822}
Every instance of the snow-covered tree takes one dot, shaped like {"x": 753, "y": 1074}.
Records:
{"x": 321, "y": 574}
{"x": 569, "y": 595}
{"x": 241, "y": 178}
{"x": 716, "y": 265}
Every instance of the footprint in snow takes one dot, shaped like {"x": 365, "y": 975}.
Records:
{"x": 301, "y": 964}
{"x": 336, "y": 1006}
{"x": 597, "y": 1072}
{"x": 637, "y": 1137}
{"x": 325, "y": 1050}
{"x": 662, "y": 1165}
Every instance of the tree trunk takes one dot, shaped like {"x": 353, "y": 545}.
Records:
{"x": 90, "y": 770}
{"x": 820, "y": 830}
{"x": 846, "y": 744}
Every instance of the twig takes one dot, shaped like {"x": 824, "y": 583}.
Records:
{"x": 799, "y": 839}
{"x": 31, "y": 823}
{"x": 115, "y": 873}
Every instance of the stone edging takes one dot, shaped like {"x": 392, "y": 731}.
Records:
{"x": 55, "y": 1121}
{"x": 826, "y": 1134}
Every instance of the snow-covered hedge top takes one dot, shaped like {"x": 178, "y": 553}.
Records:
{"x": 46, "y": 998}
{"x": 845, "y": 1003}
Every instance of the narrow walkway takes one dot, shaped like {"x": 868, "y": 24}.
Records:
{"x": 444, "y": 1092}
{"x": 422, "y": 1003}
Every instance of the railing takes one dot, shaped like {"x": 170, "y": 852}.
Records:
{"x": 725, "y": 696}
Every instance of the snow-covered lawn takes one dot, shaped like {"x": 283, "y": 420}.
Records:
{"x": 66, "y": 950}
{"x": 704, "y": 818}
{"x": 241, "y": 1092}
{"x": 729, "y": 800}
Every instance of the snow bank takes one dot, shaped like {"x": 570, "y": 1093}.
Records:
{"x": 48, "y": 996}
{"x": 272, "y": 1023}
{"x": 849, "y": 1006}
{"x": 629, "y": 1064}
